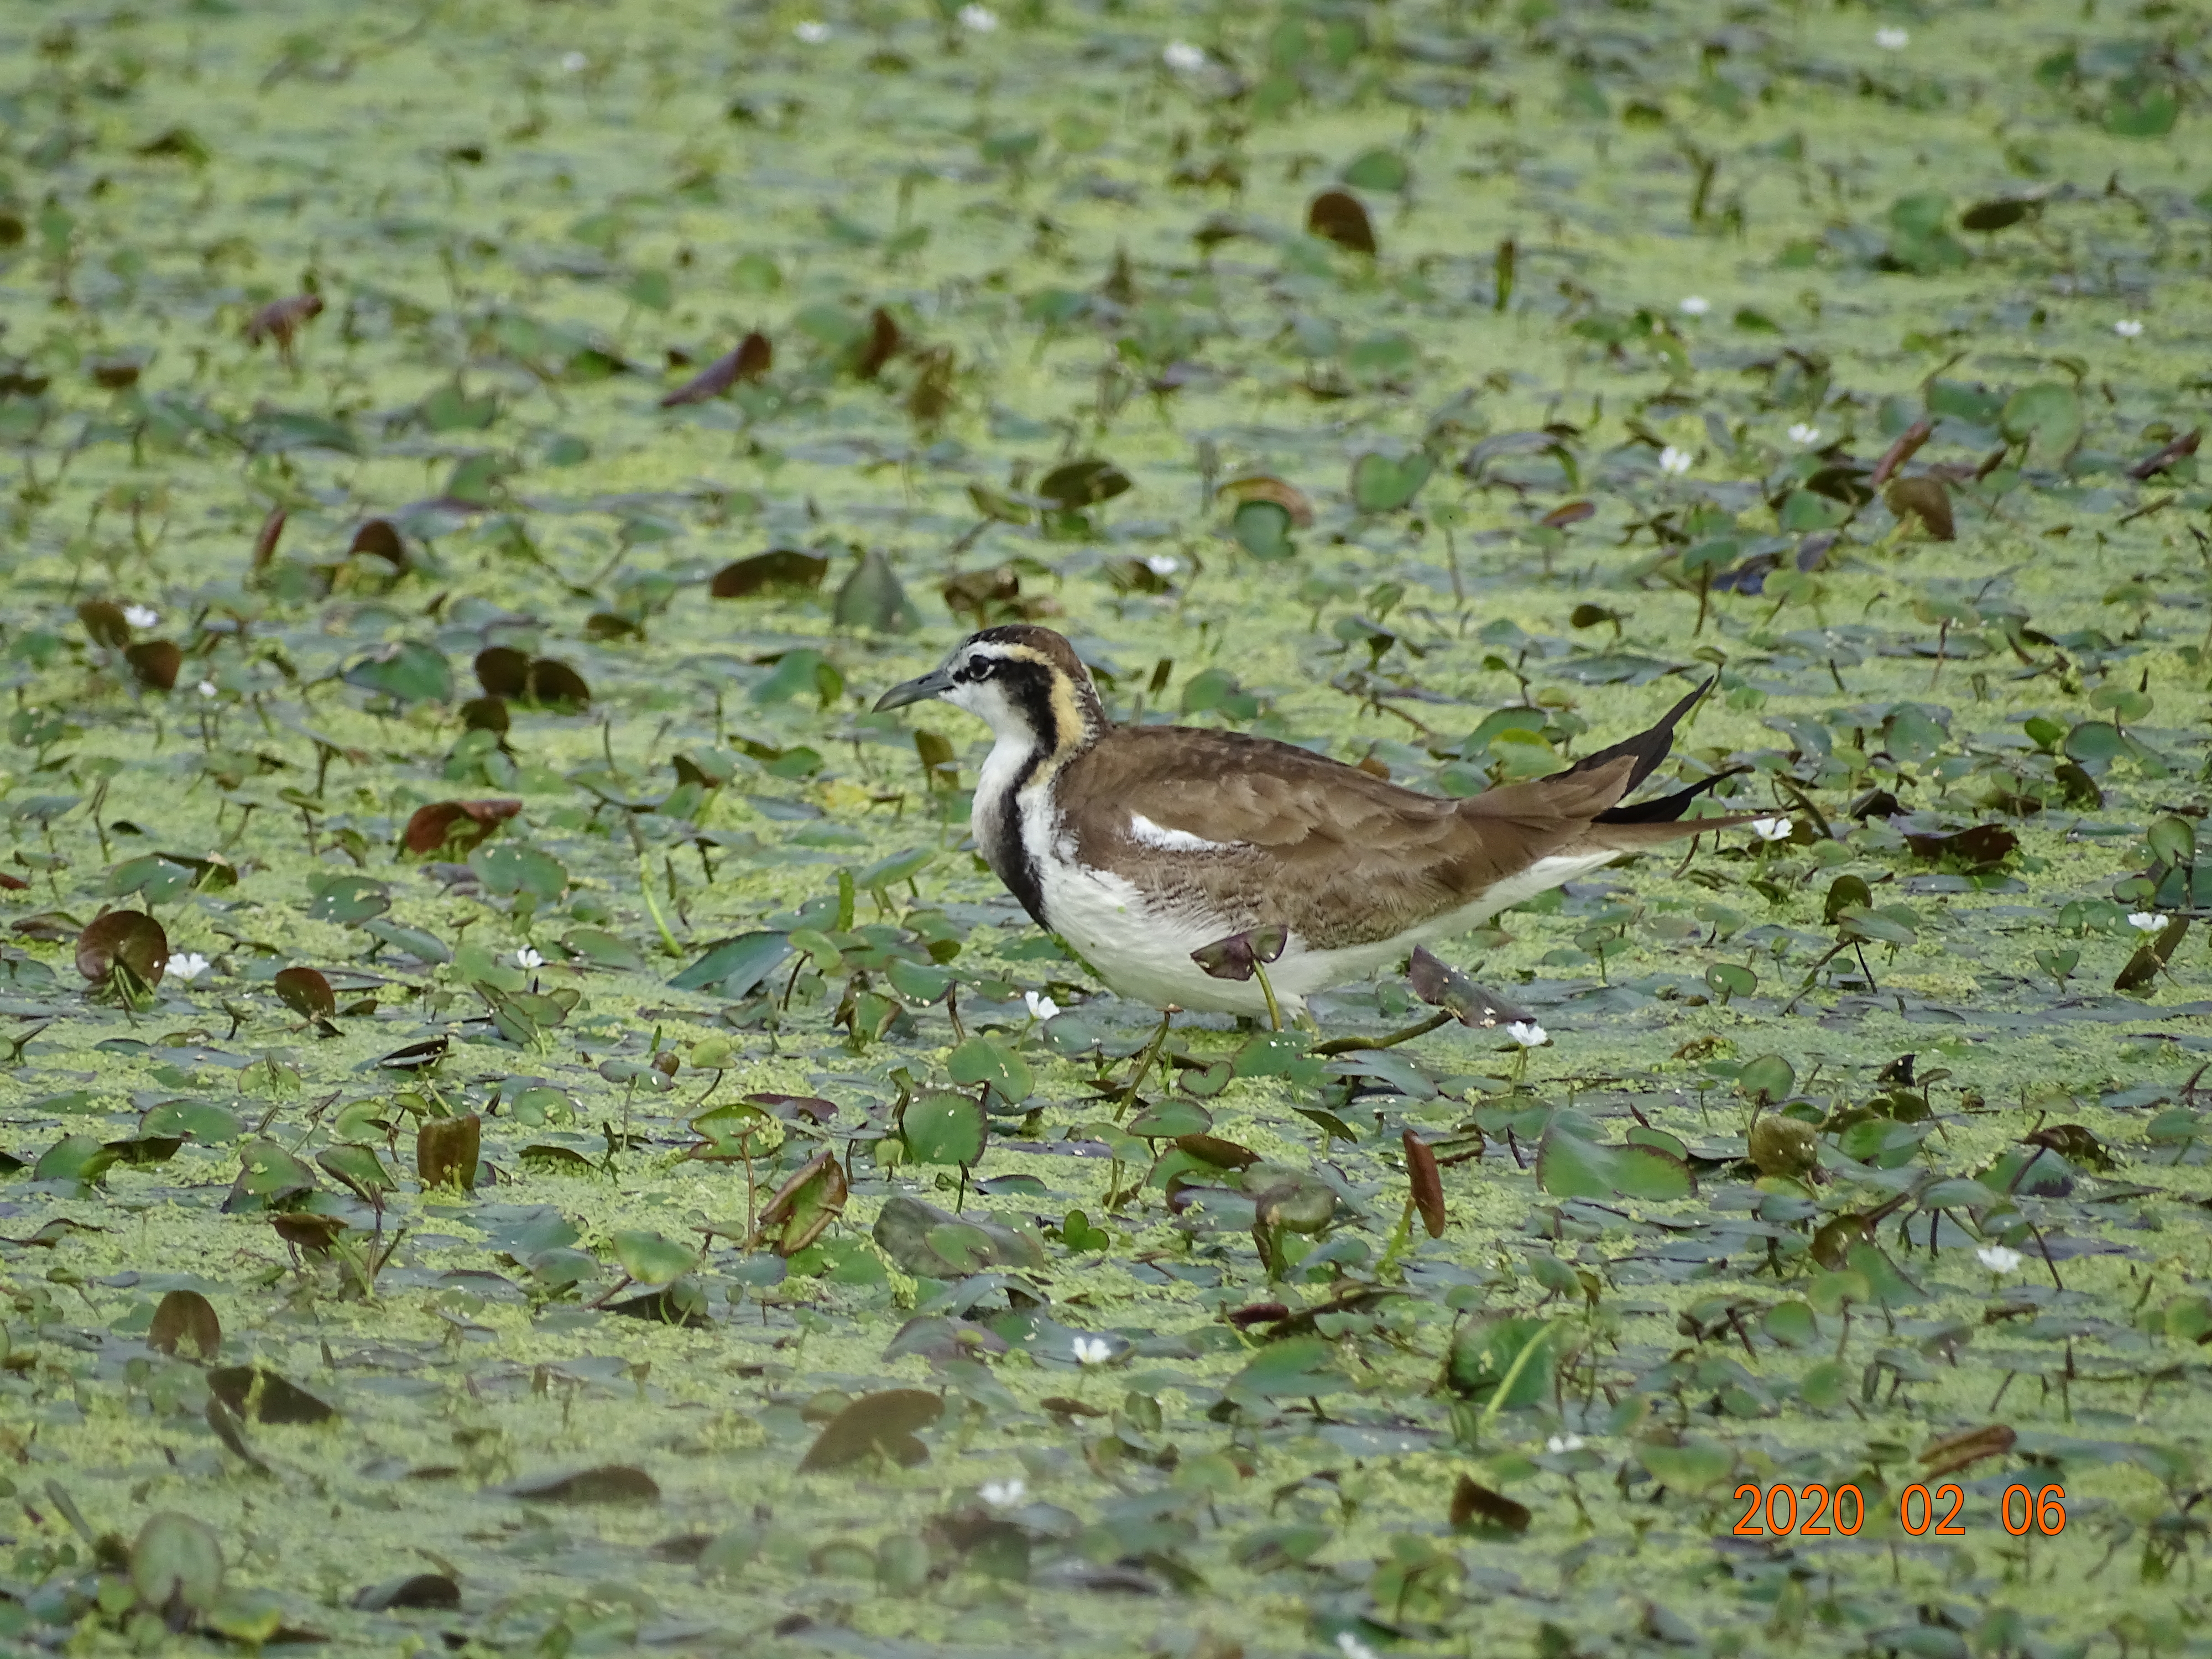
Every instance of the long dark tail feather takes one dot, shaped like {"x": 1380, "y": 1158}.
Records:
{"x": 1666, "y": 808}
{"x": 1647, "y": 748}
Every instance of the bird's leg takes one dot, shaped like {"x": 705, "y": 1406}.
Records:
{"x": 1145, "y": 1064}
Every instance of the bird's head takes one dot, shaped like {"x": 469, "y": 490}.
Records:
{"x": 1026, "y": 682}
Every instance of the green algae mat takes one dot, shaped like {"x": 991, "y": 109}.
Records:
{"x": 528, "y": 1129}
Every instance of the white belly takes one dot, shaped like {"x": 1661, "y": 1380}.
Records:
{"x": 1142, "y": 950}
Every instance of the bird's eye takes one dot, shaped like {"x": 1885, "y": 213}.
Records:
{"x": 979, "y": 668}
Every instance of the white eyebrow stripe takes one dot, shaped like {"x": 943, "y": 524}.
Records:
{"x": 1144, "y": 831}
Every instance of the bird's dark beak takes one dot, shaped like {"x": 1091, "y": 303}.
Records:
{"x": 935, "y": 683}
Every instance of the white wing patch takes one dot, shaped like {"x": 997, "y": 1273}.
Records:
{"x": 1145, "y": 832}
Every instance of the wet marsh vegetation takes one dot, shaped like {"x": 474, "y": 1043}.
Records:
{"x": 527, "y": 1129}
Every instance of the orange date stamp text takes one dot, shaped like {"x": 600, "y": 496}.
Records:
{"x": 1819, "y": 1512}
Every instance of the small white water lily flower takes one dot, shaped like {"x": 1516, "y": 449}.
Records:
{"x": 188, "y": 965}
{"x": 1092, "y": 1351}
{"x": 139, "y": 616}
{"x": 1040, "y": 1006}
{"x": 1805, "y": 434}
{"x": 1892, "y": 38}
{"x": 1772, "y": 829}
{"x": 2146, "y": 921}
{"x": 574, "y": 63}
{"x": 527, "y": 956}
{"x": 1527, "y": 1034}
{"x": 207, "y": 689}
{"x": 2127, "y": 328}
{"x": 1004, "y": 1494}
{"x": 978, "y": 20}
{"x": 1563, "y": 1442}
{"x": 1184, "y": 57}
{"x": 1351, "y": 1647}
{"x": 811, "y": 32}
{"x": 1997, "y": 1259}
{"x": 1675, "y": 461}
{"x": 1162, "y": 564}
{"x": 1694, "y": 305}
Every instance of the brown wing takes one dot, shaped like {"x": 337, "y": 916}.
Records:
{"x": 1341, "y": 856}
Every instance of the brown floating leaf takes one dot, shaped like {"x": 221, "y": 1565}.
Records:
{"x": 778, "y": 568}
{"x": 556, "y": 683}
{"x": 610, "y": 1483}
{"x": 447, "y": 1150}
{"x": 804, "y": 1207}
{"x": 1568, "y": 513}
{"x": 416, "y": 1056}
{"x": 462, "y": 824}
{"x": 2000, "y": 214}
{"x": 116, "y": 373}
{"x": 1428, "y": 1186}
{"x": 1336, "y": 215}
{"x": 156, "y": 662}
{"x": 1260, "y": 487}
{"x": 2180, "y": 449}
{"x": 1925, "y": 499}
{"x": 1221, "y": 1154}
{"x": 420, "y": 1590}
{"x": 2144, "y": 965}
{"x": 130, "y": 938}
{"x": 380, "y": 540}
{"x": 281, "y": 319}
{"x": 254, "y": 1392}
{"x": 308, "y": 1229}
{"x": 1077, "y": 484}
{"x": 1906, "y": 446}
{"x": 306, "y": 993}
{"x": 265, "y": 539}
{"x": 185, "y": 1320}
{"x": 1441, "y": 986}
{"x": 884, "y": 343}
{"x": 485, "y": 714}
{"x": 104, "y": 622}
{"x": 749, "y": 362}
{"x": 1950, "y": 1453}
{"x": 1474, "y": 1505}
{"x": 882, "y": 1422}
{"x": 503, "y": 671}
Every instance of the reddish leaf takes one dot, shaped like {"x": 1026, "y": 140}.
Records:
{"x": 2180, "y": 450}
{"x": 1948, "y": 1454}
{"x": 104, "y": 622}
{"x": 463, "y": 825}
{"x": 265, "y": 541}
{"x": 1336, "y": 215}
{"x": 1427, "y": 1185}
{"x": 749, "y": 362}
{"x": 884, "y": 343}
{"x": 380, "y": 540}
{"x": 1906, "y": 446}
{"x": 778, "y": 568}
{"x": 156, "y": 662}
{"x": 447, "y": 1150}
{"x": 185, "y": 1319}
{"x": 130, "y": 938}
{"x": 503, "y": 671}
{"x": 306, "y": 993}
